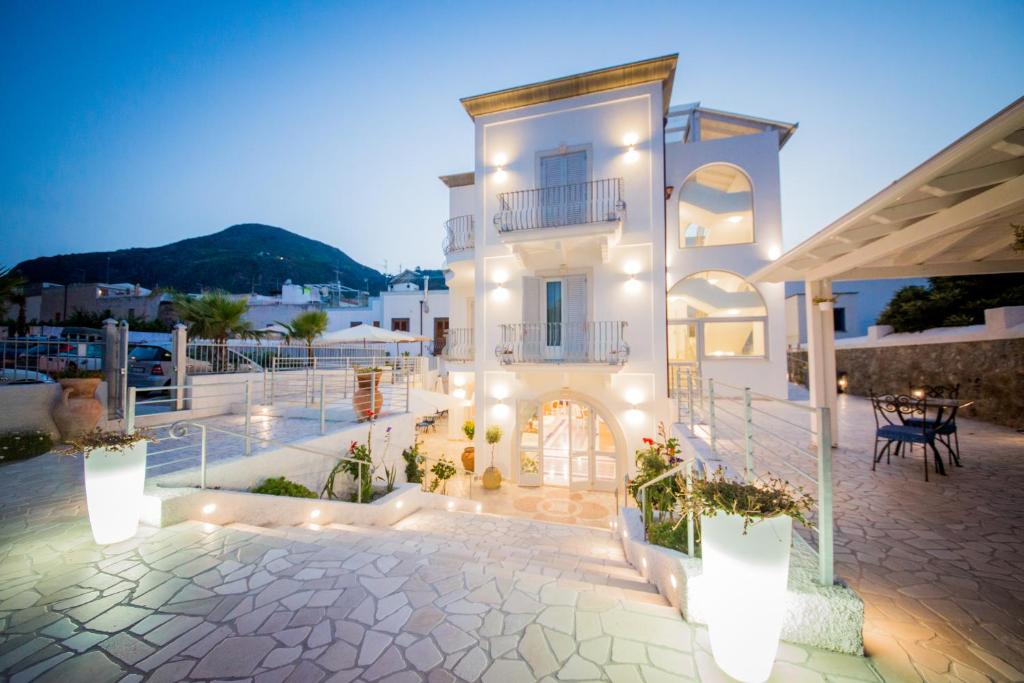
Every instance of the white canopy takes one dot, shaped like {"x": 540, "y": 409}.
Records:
{"x": 368, "y": 334}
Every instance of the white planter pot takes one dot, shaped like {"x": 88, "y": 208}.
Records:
{"x": 113, "y": 491}
{"x": 746, "y": 577}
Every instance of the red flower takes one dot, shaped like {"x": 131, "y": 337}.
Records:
{"x": 648, "y": 441}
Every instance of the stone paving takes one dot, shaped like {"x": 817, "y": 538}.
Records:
{"x": 939, "y": 564}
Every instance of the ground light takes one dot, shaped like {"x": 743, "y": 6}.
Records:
{"x": 114, "y": 482}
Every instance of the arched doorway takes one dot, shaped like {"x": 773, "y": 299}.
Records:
{"x": 566, "y": 440}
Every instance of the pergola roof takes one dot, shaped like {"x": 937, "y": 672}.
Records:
{"x": 952, "y": 215}
{"x": 658, "y": 69}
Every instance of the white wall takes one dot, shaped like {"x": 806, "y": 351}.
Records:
{"x": 758, "y": 157}
{"x": 407, "y": 305}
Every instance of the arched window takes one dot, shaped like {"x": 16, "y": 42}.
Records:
{"x": 716, "y": 207}
{"x": 715, "y": 314}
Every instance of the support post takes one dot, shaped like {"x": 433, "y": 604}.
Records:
{"x": 202, "y": 456}
{"x": 373, "y": 394}
{"x": 748, "y": 433}
{"x": 712, "y": 432}
{"x": 323, "y": 406}
{"x": 689, "y": 513}
{"x": 248, "y": 416}
{"x": 110, "y": 363}
{"x": 122, "y": 368}
{"x": 821, "y": 352}
{"x": 179, "y": 363}
{"x": 129, "y": 412}
{"x": 826, "y": 569}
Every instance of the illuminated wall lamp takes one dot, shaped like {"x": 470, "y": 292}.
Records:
{"x": 459, "y": 393}
{"x": 499, "y": 173}
{"x": 631, "y": 141}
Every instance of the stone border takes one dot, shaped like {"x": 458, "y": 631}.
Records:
{"x": 827, "y": 618}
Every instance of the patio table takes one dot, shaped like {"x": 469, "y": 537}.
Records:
{"x": 942, "y": 405}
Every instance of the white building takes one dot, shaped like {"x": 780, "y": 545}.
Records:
{"x": 599, "y": 246}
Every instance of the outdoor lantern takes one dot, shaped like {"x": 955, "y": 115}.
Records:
{"x": 114, "y": 482}
{"x": 842, "y": 382}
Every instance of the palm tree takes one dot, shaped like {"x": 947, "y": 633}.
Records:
{"x": 11, "y": 292}
{"x": 306, "y": 327}
{"x": 217, "y": 317}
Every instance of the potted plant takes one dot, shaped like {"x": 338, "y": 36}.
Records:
{"x": 746, "y": 532}
{"x": 78, "y": 411}
{"x": 469, "y": 452}
{"x": 529, "y": 471}
{"x": 492, "y": 475}
{"x": 115, "y": 474}
{"x": 825, "y": 303}
{"x": 367, "y": 381}
{"x": 443, "y": 470}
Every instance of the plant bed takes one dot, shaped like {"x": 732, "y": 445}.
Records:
{"x": 24, "y": 445}
{"x": 280, "y": 486}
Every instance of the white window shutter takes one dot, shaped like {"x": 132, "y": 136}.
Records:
{"x": 576, "y": 168}
{"x": 532, "y": 327}
{"x": 577, "y": 338}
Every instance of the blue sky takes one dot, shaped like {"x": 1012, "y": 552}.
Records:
{"x": 137, "y": 124}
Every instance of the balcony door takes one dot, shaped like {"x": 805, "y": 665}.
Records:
{"x": 555, "y": 319}
{"x": 564, "y": 192}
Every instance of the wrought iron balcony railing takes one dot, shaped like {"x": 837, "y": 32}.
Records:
{"x": 595, "y": 201}
{"x": 458, "y": 234}
{"x": 588, "y": 342}
{"x": 458, "y": 344}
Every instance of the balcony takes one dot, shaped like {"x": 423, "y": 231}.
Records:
{"x": 458, "y": 235}
{"x": 458, "y": 345}
{"x": 599, "y": 343}
{"x": 595, "y": 201}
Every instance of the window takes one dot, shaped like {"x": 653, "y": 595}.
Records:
{"x": 565, "y": 194}
{"x": 715, "y": 208}
{"x": 839, "y": 319}
{"x": 715, "y": 314}
{"x": 399, "y": 324}
{"x": 355, "y": 323}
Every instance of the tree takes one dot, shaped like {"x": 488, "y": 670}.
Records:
{"x": 12, "y": 292}
{"x": 306, "y": 327}
{"x": 215, "y": 316}
{"x": 951, "y": 301}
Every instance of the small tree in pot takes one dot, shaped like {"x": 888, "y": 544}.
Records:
{"x": 492, "y": 475}
{"x": 746, "y": 531}
{"x": 469, "y": 452}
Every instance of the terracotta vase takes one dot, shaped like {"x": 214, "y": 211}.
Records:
{"x": 367, "y": 381}
{"x": 78, "y": 410}
{"x": 492, "y": 478}
{"x": 469, "y": 459}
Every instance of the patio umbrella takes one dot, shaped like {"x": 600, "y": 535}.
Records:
{"x": 369, "y": 334}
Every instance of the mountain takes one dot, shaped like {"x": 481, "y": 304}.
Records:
{"x": 239, "y": 259}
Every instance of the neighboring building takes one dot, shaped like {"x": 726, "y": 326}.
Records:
{"x": 417, "y": 302}
{"x": 857, "y": 307}
{"x": 52, "y": 303}
{"x": 589, "y": 195}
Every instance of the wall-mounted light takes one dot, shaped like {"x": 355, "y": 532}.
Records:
{"x": 774, "y": 253}
{"x": 500, "y": 410}
{"x": 499, "y": 293}
{"x": 500, "y": 161}
{"x": 842, "y": 382}
{"x": 733, "y": 311}
{"x": 458, "y": 380}
{"x": 631, "y": 269}
{"x": 734, "y": 219}
{"x": 631, "y": 141}
{"x": 459, "y": 393}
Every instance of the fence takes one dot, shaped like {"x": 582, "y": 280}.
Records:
{"x": 206, "y": 357}
{"x": 595, "y": 201}
{"x": 587, "y": 342}
{"x": 755, "y": 436}
{"x": 22, "y": 357}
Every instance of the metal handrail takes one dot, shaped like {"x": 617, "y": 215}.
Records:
{"x": 458, "y": 344}
{"x": 594, "y": 201}
{"x": 458, "y": 234}
{"x": 645, "y": 511}
{"x": 178, "y": 431}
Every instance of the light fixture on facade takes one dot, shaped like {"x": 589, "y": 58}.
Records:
{"x": 458, "y": 380}
{"x": 842, "y": 382}
{"x": 734, "y": 219}
{"x": 774, "y": 253}
{"x": 733, "y": 311}
{"x": 632, "y": 284}
{"x": 209, "y": 508}
{"x": 500, "y": 162}
{"x": 631, "y": 141}
{"x": 459, "y": 393}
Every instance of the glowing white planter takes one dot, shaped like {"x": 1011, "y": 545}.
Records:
{"x": 114, "y": 481}
{"x": 746, "y": 577}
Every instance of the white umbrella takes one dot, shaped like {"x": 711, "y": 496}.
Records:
{"x": 368, "y": 334}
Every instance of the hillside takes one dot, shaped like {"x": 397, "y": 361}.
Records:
{"x": 242, "y": 258}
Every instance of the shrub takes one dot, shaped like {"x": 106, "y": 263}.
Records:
{"x": 413, "y": 462}
{"x": 658, "y": 457}
{"x": 671, "y": 534}
{"x": 754, "y": 501}
{"x": 279, "y": 486}
{"x": 443, "y": 470}
{"x": 24, "y": 445}
{"x": 469, "y": 429}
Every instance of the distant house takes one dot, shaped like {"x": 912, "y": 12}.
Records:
{"x": 857, "y": 307}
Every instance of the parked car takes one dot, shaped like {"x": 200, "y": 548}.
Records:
{"x": 151, "y": 365}
{"x": 16, "y": 376}
{"x": 71, "y": 356}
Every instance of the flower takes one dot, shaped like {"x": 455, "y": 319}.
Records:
{"x": 649, "y": 441}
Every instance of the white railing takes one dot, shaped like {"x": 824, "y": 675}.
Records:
{"x": 458, "y": 344}
{"x": 595, "y": 201}
{"x": 587, "y": 342}
{"x": 684, "y": 470}
{"x": 458, "y": 234}
{"x": 754, "y": 435}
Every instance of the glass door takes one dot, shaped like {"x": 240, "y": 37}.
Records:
{"x": 555, "y": 439}
{"x": 553, "y": 311}
{"x": 570, "y": 444}
{"x": 581, "y": 462}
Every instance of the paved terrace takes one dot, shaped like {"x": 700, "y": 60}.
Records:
{"x": 937, "y": 563}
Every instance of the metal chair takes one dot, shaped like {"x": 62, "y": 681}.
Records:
{"x": 943, "y": 424}
{"x": 891, "y": 427}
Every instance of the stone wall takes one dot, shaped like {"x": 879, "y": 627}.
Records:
{"x": 991, "y": 373}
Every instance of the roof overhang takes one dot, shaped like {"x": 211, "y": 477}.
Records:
{"x": 458, "y": 179}
{"x": 635, "y": 73}
{"x": 952, "y": 215}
